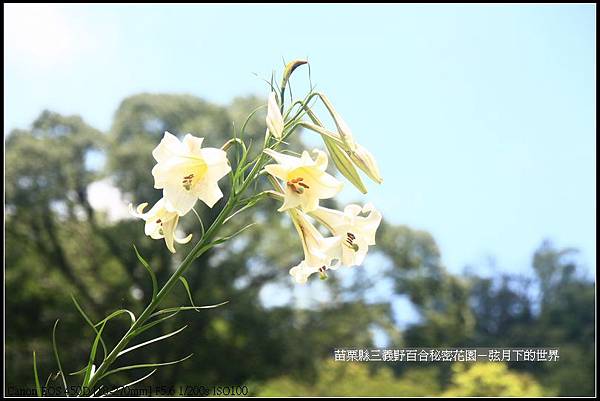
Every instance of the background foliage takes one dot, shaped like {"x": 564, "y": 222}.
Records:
{"x": 57, "y": 244}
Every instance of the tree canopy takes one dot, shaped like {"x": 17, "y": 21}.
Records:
{"x": 57, "y": 244}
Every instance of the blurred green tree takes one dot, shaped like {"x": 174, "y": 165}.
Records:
{"x": 57, "y": 243}
{"x": 490, "y": 380}
{"x": 343, "y": 379}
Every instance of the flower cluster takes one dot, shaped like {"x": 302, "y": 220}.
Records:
{"x": 185, "y": 172}
{"x": 303, "y": 181}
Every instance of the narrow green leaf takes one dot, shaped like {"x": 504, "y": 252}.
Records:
{"x": 187, "y": 289}
{"x": 248, "y": 203}
{"x": 80, "y": 371}
{"x": 150, "y": 271}
{"x": 151, "y": 341}
{"x": 152, "y": 324}
{"x": 38, "y": 388}
{"x": 89, "y": 322}
{"x": 55, "y": 349}
{"x": 50, "y": 377}
{"x": 115, "y": 314}
{"x": 88, "y": 372}
{"x": 144, "y": 365}
{"x": 129, "y": 384}
{"x": 248, "y": 118}
{"x": 184, "y": 308}
{"x": 227, "y": 238}
{"x": 199, "y": 220}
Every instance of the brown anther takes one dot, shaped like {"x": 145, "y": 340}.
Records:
{"x": 292, "y": 185}
{"x": 303, "y": 185}
{"x": 350, "y": 241}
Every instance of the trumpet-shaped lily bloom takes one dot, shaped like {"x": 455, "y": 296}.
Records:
{"x": 357, "y": 232}
{"x": 160, "y": 223}
{"x": 320, "y": 253}
{"x": 306, "y": 180}
{"x": 301, "y": 272}
{"x": 274, "y": 118}
{"x": 187, "y": 172}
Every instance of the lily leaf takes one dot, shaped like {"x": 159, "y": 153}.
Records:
{"x": 115, "y": 314}
{"x": 184, "y": 308}
{"x": 89, "y": 322}
{"x": 90, "y": 367}
{"x": 55, "y": 349}
{"x": 152, "y": 324}
{"x": 80, "y": 371}
{"x": 38, "y": 388}
{"x": 187, "y": 289}
{"x": 150, "y": 271}
{"x": 129, "y": 384}
{"x": 227, "y": 238}
{"x": 144, "y": 365}
{"x": 151, "y": 341}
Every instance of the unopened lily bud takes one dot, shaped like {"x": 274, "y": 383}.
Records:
{"x": 289, "y": 69}
{"x": 343, "y": 129}
{"x": 344, "y": 164}
{"x": 364, "y": 160}
{"x": 274, "y": 118}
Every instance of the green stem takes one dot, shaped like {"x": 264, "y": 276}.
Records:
{"x": 185, "y": 264}
{"x": 201, "y": 247}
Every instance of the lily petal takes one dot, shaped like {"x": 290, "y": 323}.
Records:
{"x": 168, "y": 147}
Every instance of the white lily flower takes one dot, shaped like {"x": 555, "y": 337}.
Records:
{"x": 357, "y": 232}
{"x": 274, "y": 118}
{"x": 160, "y": 223}
{"x": 187, "y": 172}
{"x": 301, "y": 272}
{"x": 305, "y": 178}
{"x": 320, "y": 253}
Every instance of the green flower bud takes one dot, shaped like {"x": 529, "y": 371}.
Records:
{"x": 289, "y": 69}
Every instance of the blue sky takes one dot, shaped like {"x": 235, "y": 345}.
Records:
{"x": 482, "y": 117}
